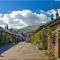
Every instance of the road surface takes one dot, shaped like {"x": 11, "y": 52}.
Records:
{"x": 22, "y": 51}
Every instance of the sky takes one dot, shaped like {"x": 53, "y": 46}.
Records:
{"x": 34, "y": 5}
{"x": 22, "y": 13}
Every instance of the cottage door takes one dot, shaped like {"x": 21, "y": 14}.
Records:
{"x": 59, "y": 43}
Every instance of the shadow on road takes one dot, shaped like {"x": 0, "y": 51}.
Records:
{"x": 5, "y": 47}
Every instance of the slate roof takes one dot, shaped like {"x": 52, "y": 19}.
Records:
{"x": 2, "y": 29}
{"x": 47, "y": 24}
{"x": 6, "y": 30}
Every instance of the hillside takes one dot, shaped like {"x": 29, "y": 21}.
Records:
{"x": 28, "y": 29}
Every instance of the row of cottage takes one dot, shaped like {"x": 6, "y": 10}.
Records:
{"x": 7, "y": 36}
{"x": 47, "y": 37}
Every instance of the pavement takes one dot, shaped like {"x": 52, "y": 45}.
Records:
{"x": 22, "y": 51}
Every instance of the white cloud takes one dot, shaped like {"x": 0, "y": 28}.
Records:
{"x": 53, "y": 11}
{"x": 20, "y": 19}
{"x": 1, "y": 15}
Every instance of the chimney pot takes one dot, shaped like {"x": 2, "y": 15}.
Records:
{"x": 51, "y": 16}
{"x": 57, "y": 15}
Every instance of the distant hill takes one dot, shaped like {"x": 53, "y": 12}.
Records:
{"x": 28, "y": 29}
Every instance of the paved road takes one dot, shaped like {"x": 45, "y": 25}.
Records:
{"x": 22, "y": 51}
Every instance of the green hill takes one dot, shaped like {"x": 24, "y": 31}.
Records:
{"x": 28, "y": 29}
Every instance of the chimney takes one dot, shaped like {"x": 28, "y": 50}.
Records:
{"x": 57, "y": 15}
{"x": 52, "y": 17}
{"x": 10, "y": 29}
{"x": 6, "y": 27}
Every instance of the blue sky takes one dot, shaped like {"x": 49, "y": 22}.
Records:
{"x": 22, "y": 13}
{"x": 34, "y": 5}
